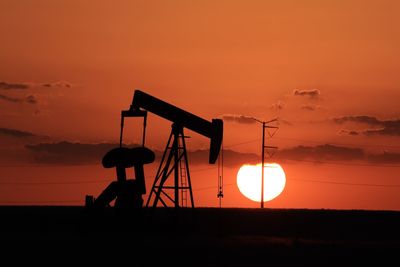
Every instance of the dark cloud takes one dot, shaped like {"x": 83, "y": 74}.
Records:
{"x": 312, "y": 93}
{"x": 16, "y": 133}
{"x": 348, "y": 132}
{"x": 11, "y": 99}
{"x": 381, "y": 127}
{"x": 58, "y": 84}
{"x": 281, "y": 121}
{"x": 239, "y": 119}
{"x": 385, "y": 157}
{"x": 359, "y": 119}
{"x": 24, "y": 86}
{"x": 278, "y": 105}
{"x": 13, "y": 86}
{"x": 328, "y": 152}
{"x": 30, "y": 99}
{"x": 67, "y": 153}
{"x": 308, "y": 107}
{"x": 231, "y": 158}
{"x": 321, "y": 152}
{"x": 393, "y": 131}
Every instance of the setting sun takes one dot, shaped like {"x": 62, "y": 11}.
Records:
{"x": 249, "y": 181}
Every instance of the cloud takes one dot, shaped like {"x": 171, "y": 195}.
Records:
{"x": 13, "y": 86}
{"x": 309, "y": 107}
{"x": 15, "y": 139}
{"x": 312, "y": 93}
{"x": 57, "y": 84}
{"x": 329, "y": 152}
{"x": 385, "y": 157}
{"x": 68, "y": 153}
{"x": 278, "y": 105}
{"x": 30, "y": 99}
{"x": 393, "y": 131}
{"x": 24, "y": 86}
{"x": 231, "y": 158}
{"x": 11, "y": 99}
{"x": 239, "y": 119}
{"x": 358, "y": 119}
{"x": 16, "y": 133}
{"x": 284, "y": 122}
{"x": 321, "y": 152}
{"x": 381, "y": 127}
{"x": 348, "y": 132}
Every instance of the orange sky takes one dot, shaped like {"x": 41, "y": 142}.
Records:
{"x": 327, "y": 70}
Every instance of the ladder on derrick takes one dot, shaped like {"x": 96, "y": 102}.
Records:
{"x": 183, "y": 176}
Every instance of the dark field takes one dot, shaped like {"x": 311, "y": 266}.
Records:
{"x": 200, "y": 237}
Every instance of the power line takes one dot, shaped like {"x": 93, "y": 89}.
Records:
{"x": 55, "y": 183}
{"x": 243, "y": 143}
{"x": 196, "y": 170}
{"x": 41, "y": 202}
{"x": 227, "y": 146}
{"x": 317, "y": 181}
{"x": 203, "y": 169}
{"x": 211, "y": 187}
{"x": 346, "y": 163}
{"x": 339, "y": 144}
{"x": 46, "y": 165}
{"x": 77, "y": 182}
{"x": 344, "y": 183}
{"x": 316, "y": 142}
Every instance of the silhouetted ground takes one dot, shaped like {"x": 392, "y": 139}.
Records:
{"x": 200, "y": 237}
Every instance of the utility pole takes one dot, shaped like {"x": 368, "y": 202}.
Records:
{"x": 264, "y": 125}
{"x": 262, "y": 164}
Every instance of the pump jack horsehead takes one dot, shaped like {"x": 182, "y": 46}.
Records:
{"x": 128, "y": 193}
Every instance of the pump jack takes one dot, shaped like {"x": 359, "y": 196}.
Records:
{"x": 128, "y": 193}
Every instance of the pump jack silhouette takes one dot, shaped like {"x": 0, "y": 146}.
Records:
{"x": 128, "y": 193}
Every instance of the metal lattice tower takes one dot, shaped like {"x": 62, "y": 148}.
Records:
{"x": 174, "y": 160}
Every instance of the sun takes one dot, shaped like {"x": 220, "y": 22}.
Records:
{"x": 249, "y": 181}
